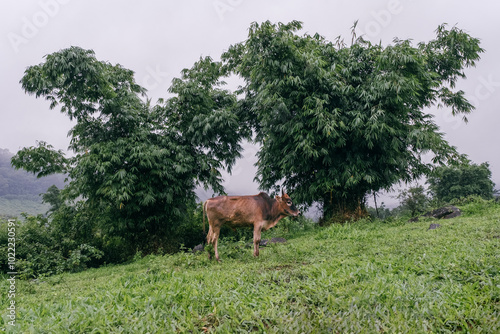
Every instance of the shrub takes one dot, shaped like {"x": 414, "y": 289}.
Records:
{"x": 290, "y": 227}
{"x": 40, "y": 252}
{"x": 474, "y": 204}
{"x": 71, "y": 239}
{"x": 449, "y": 183}
{"x": 414, "y": 200}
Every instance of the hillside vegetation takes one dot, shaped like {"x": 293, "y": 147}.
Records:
{"x": 20, "y": 191}
{"x": 14, "y": 206}
{"x": 364, "y": 277}
{"x": 333, "y": 124}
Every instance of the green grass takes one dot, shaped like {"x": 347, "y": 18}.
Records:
{"x": 366, "y": 277}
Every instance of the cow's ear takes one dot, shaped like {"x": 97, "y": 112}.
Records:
{"x": 277, "y": 198}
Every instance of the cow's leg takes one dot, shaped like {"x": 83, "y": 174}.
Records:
{"x": 210, "y": 241}
{"x": 216, "y": 233}
{"x": 256, "y": 239}
{"x": 213, "y": 239}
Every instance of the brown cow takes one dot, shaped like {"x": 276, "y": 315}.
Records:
{"x": 260, "y": 211}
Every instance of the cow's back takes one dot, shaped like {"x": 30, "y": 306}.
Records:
{"x": 238, "y": 210}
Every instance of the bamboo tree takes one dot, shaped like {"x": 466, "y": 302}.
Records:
{"x": 336, "y": 122}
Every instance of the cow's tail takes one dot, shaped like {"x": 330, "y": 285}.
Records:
{"x": 204, "y": 212}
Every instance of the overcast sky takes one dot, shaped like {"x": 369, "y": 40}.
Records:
{"x": 158, "y": 38}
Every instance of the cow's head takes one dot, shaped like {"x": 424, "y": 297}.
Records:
{"x": 286, "y": 205}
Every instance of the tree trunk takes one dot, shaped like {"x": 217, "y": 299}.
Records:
{"x": 375, "y": 200}
{"x": 339, "y": 209}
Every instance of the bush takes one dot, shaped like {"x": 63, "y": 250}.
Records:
{"x": 382, "y": 212}
{"x": 72, "y": 239}
{"x": 39, "y": 251}
{"x": 189, "y": 231}
{"x": 414, "y": 200}
{"x": 290, "y": 227}
{"x": 78, "y": 258}
{"x": 472, "y": 205}
{"x": 449, "y": 183}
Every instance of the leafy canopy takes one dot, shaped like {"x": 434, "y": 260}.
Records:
{"x": 134, "y": 165}
{"x": 454, "y": 182}
{"x": 334, "y": 121}
{"x": 414, "y": 200}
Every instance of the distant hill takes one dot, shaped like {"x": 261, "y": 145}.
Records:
{"x": 20, "y": 191}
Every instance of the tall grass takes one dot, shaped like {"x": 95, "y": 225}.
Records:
{"x": 364, "y": 277}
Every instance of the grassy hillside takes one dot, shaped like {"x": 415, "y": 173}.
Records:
{"x": 366, "y": 277}
{"x": 13, "y": 206}
{"x": 20, "y": 191}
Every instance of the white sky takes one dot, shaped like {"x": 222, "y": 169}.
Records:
{"x": 157, "y": 39}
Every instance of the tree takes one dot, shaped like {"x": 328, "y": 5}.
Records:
{"x": 20, "y": 183}
{"x": 135, "y": 166}
{"x": 336, "y": 122}
{"x": 453, "y": 182}
{"x": 53, "y": 197}
{"x": 413, "y": 200}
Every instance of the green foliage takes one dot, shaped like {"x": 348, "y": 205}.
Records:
{"x": 135, "y": 166}
{"x": 414, "y": 200}
{"x": 291, "y": 227}
{"x": 71, "y": 240}
{"x": 475, "y": 205}
{"x": 203, "y": 112}
{"x": 19, "y": 183}
{"x": 236, "y": 249}
{"x": 468, "y": 179}
{"x": 337, "y": 122}
{"x": 381, "y": 212}
{"x": 20, "y": 191}
{"x": 53, "y": 197}
{"x": 364, "y": 277}
{"x": 188, "y": 231}
{"x": 41, "y": 250}
{"x": 42, "y": 160}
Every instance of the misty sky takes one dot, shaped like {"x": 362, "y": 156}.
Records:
{"x": 157, "y": 39}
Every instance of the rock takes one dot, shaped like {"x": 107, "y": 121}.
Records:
{"x": 445, "y": 212}
{"x": 263, "y": 243}
{"x": 456, "y": 213}
{"x": 434, "y": 226}
{"x": 278, "y": 240}
{"x": 266, "y": 242}
{"x": 414, "y": 219}
{"x": 199, "y": 248}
